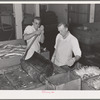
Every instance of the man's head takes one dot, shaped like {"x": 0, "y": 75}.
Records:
{"x": 36, "y": 22}
{"x": 63, "y": 29}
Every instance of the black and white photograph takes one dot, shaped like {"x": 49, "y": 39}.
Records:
{"x": 50, "y": 47}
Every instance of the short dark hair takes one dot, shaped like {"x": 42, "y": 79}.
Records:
{"x": 37, "y": 18}
{"x": 65, "y": 25}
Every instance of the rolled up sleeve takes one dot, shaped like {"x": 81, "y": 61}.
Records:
{"x": 76, "y": 48}
{"x": 28, "y": 30}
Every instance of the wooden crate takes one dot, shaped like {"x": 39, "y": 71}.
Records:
{"x": 64, "y": 81}
{"x": 37, "y": 66}
{"x": 87, "y": 86}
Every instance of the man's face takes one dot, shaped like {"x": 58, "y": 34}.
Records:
{"x": 63, "y": 30}
{"x": 36, "y": 24}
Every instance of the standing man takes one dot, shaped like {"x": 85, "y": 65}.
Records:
{"x": 36, "y": 32}
{"x": 66, "y": 45}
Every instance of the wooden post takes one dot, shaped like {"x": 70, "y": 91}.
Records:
{"x": 37, "y": 10}
{"x": 18, "y": 20}
{"x": 92, "y": 13}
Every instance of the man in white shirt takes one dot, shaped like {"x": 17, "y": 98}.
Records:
{"x": 30, "y": 32}
{"x": 66, "y": 45}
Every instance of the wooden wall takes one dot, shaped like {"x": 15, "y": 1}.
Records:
{"x": 78, "y": 13}
{"x": 97, "y": 13}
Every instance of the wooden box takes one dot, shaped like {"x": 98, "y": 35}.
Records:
{"x": 88, "y": 84}
{"x": 64, "y": 81}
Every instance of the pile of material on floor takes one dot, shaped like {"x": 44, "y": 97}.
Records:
{"x": 87, "y": 71}
{"x": 8, "y": 51}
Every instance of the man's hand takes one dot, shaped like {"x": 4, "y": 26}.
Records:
{"x": 71, "y": 62}
{"x": 42, "y": 28}
{"x": 53, "y": 59}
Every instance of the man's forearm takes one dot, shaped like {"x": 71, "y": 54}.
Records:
{"x": 77, "y": 58}
{"x": 28, "y": 36}
{"x": 53, "y": 57}
{"x": 73, "y": 60}
{"x": 42, "y": 37}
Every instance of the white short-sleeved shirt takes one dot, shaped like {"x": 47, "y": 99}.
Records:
{"x": 65, "y": 48}
{"x": 36, "y": 45}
